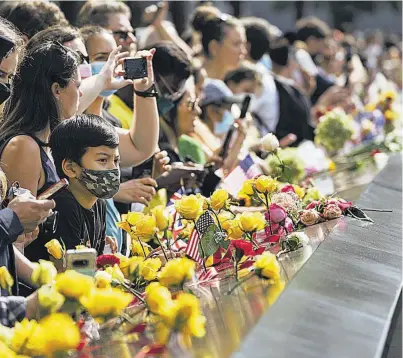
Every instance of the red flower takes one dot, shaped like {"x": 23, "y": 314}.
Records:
{"x": 107, "y": 260}
{"x": 288, "y": 188}
{"x": 245, "y": 248}
{"x": 312, "y": 205}
{"x": 140, "y": 328}
{"x": 375, "y": 151}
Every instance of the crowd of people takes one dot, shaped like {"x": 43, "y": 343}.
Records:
{"x": 68, "y": 112}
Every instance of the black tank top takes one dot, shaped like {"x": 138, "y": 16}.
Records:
{"x": 49, "y": 168}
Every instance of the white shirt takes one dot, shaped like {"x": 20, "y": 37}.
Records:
{"x": 267, "y": 105}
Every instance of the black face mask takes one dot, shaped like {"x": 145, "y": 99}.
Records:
{"x": 279, "y": 55}
{"x": 4, "y": 92}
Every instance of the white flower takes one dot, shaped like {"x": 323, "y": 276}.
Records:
{"x": 270, "y": 143}
{"x": 301, "y": 236}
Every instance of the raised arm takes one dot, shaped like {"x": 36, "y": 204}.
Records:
{"x": 140, "y": 142}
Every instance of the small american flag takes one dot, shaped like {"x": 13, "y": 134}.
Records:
{"x": 171, "y": 203}
{"x": 204, "y": 222}
{"x": 177, "y": 225}
{"x": 246, "y": 169}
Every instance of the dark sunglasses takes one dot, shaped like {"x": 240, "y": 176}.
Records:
{"x": 123, "y": 35}
{"x": 84, "y": 59}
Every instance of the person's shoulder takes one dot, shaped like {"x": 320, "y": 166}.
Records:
{"x": 21, "y": 145}
{"x": 66, "y": 201}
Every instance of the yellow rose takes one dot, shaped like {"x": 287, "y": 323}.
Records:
{"x": 55, "y": 249}
{"x": 6, "y": 352}
{"x": 158, "y": 299}
{"x": 6, "y": 280}
{"x": 106, "y": 303}
{"x": 247, "y": 189}
{"x": 370, "y": 107}
{"x": 266, "y": 184}
{"x": 72, "y": 284}
{"x": 115, "y": 273}
{"x": 23, "y": 340}
{"x": 267, "y": 266}
{"x": 149, "y": 268}
{"x": 103, "y": 279}
{"x": 299, "y": 191}
{"x": 250, "y": 222}
{"x": 43, "y": 273}
{"x": 176, "y": 272}
{"x": 161, "y": 217}
{"x": 50, "y": 299}
{"x": 134, "y": 267}
{"x": 332, "y": 166}
{"x": 58, "y": 332}
{"x": 189, "y": 207}
{"x": 225, "y": 219}
{"x": 234, "y": 230}
{"x": 140, "y": 249}
{"x": 219, "y": 199}
{"x": 134, "y": 217}
{"x": 390, "y": 115}
{"x": 146, "y": 228}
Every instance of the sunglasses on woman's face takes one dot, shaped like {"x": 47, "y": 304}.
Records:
{"x": 123, "y": 35}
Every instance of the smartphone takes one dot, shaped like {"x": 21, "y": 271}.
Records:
{"x": 135, "y": 68}
{"x": 227, "y": 141}
{"x": 54, "y": 189}
{"x": 83, "y": 261}
{"x": 6, "y": 46}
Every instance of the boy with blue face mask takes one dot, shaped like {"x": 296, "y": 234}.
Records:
{"x": 85, "y": 151}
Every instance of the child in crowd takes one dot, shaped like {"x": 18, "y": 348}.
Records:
{"x": 85, "y": 151}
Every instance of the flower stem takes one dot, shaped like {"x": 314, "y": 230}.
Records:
{"x": 162, "y": 247}
{"x": 142, "y": 247}
{"x": 201, "y": 246}
{"x": 134, "y": 292}
{"x": 239, "y": 283}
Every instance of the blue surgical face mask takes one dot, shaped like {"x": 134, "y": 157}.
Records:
{"x": 96, "y": 69}
{"x": 266, "y": 61}
{"x": 224, "y": 126}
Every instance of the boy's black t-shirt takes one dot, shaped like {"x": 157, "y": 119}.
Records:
{"x": 76, "y": 226}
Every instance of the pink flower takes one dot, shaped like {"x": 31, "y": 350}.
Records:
{"x": 312, "y": 205}
{"x": 288, "y": 225}
{"x": 332, "y": 211}
{"x": 288, "y": 188}
{"x": 342, "y": 204}
{"x": 277, "y": 213}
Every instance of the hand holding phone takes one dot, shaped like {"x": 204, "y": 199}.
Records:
{"x": 227, "y": 141}
{"x": 54, "y": 189}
